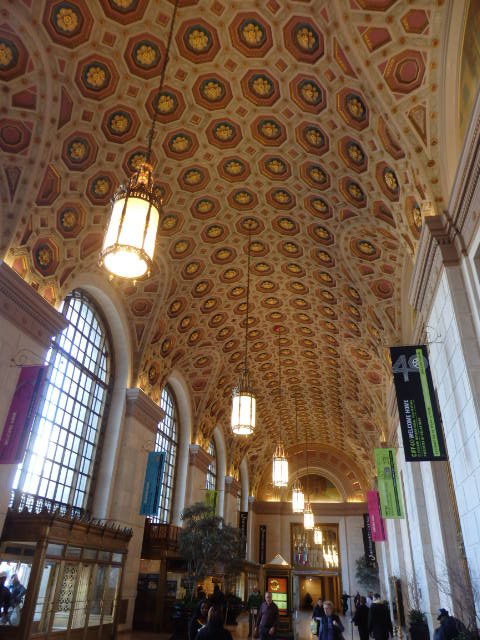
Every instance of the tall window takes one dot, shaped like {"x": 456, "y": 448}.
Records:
{"x": 60, "y": 455}
{"x": 167, "y": 440}
{"x": 212, "y": 467}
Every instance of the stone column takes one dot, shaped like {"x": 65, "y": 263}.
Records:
{"x": 28, "y": 323}
{"x": 142, "y": 416}
{"x": 197, "y": 474}
{"x": 230, "y": 513}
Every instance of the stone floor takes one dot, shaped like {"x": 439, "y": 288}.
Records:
{"x": 240, "y": 632}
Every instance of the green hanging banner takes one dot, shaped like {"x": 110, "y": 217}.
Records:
{"x": 389, "y": 488}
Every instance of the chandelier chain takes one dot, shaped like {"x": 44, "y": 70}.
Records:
{"x": 245, "y": 363}
{"x": 153, "y": 124}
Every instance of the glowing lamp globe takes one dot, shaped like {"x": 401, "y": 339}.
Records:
{"x": 280, "y": 467}
{"x": 130, "y": 239}
{"x": 243, "y": 408}
{"x": 317, "y": 536}
{"x": 298, "y": 498}
{"x": 308, "y": 517}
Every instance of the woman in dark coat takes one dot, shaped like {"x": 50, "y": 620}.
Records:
{"x": 199, "y": 619}
{"x": 360, "y": 619}
{"x": 214, "y": 629}
{"x": 330, "y": 626}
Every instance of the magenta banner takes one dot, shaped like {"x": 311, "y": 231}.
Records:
{"x": 21, "y": 413}
{"x": 377, "y": 523}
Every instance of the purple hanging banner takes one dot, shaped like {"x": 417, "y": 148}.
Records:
{"x": 23, "y": 406}
{"x": 377, "y": 523}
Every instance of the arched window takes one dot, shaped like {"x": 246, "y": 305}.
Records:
{"x": 167, "y": 440}
{"x": 212, "y": 467}
{"x": 60, "y": 456}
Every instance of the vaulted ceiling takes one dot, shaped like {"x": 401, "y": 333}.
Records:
{"x": 312, "y": 125}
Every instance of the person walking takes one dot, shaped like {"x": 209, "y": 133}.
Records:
{"x": 268, "y": 617}
{"x": 199, "y": 619}
{"x": 253, "y": 605}
{"x": 214, "y": 629}
{"x": 449, "y": 627}
{"x": 379, "y": 621}
{"x": 330, "y": 627}
{"x": 360, "y": 619}
{"x": 318, "y": 612}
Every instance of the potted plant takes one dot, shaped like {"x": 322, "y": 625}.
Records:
{"x": 208, "y": 547}
{"x": 417, "y": 625}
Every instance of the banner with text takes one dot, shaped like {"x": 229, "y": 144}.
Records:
{"x": 152, "y": 487}
{"x": 21, "y": 414}
{"x": 377, "y": 523}
{"x": 417, "y": 407}
{"x": 389, "y": 489}
{"x": 262, "y": 544}
{"x": 243, "y": 526}
{"x": 211, "y": 499}
{"x": 368, "y": 543}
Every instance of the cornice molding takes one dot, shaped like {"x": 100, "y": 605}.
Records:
{"x": 199, "y": 458}
{"x": 25, "y": 308}
{"x": 319, "y": 509}
{"x": 143, "y": 409}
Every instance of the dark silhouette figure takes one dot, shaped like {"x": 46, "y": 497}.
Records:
{"x": 379, "y": 621}
{"x": 360, "y": 619}
{"x": 214, "y": 629}
{"x": 199, "y": 619}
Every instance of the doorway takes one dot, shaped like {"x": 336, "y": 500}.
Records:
{"x": 325, "y": 586}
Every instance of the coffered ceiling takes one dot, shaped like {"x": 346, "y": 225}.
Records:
{"x": 312, "y": 124}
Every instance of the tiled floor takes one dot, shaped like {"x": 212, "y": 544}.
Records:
{"x": 240, "y": 631}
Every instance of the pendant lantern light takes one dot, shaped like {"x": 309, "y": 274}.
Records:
{"x": 280, "y": 462}
{"x": 317, "y": 535}
{"x": 308, "y": 517}
{"x": 130, "y": 239}
{"x": 243, "y": 397}
{"x": 298, "y": 498}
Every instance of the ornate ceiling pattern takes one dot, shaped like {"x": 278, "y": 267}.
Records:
{"x": 309, "y": 125}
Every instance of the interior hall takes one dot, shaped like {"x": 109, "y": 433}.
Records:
{"x": 239, "y": 313}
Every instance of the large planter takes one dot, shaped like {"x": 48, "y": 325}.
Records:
{"x": 419, "y": 631}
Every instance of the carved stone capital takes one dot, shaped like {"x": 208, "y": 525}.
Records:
{"x": 231, "y": 485}
{"x": 143, "y": 409}
{"x": 24, "y": 307}
{"x": 199, "y": 458}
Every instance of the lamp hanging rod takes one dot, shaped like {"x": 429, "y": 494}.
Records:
{"x": 160, "y": 85}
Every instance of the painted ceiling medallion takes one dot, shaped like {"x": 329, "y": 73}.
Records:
{"x": 223, "y": 255}
{"x": 169, "y": 223}
{"x": 193, "y": 178}
{"x": 353, "y": 192}
{"x": 145, "y": 55}
{"x": 100, "y": 188}
{"x": 285, "y": 225}
{"x": 306, "y": 38}
{"x": 353, "y": 109}
{"x": 261, "y": 87}
{"x": 314, "y": 138}
{"x": 310, "y": 93}
{"x": 321, "y": 234}
{"x": 205, "y": 207}
{"x": 364, "y": 249}
{"x": 8, "y": 55}
{"x": 390, "y": 180}
{"x": 233, "y": 169}
{"x": 96, "y": 76}
{"x": 275, "y": 168}
{"x": 79, "y": 151}
{"x": 67, "y": 19}
{"x": 269, "y": 131}
{"x": 242, "y": 199}
{"x": 315, "y": 176}
{"x": 229, "y": 275}
{"x": 281, "y": 198}
{"x": 70, "y": 220}
{"x": 291, "y": 249}
{"x": 45, "y": 256}
{"x": 191, "y": 269}
{"x": 252, "y": 33}
{"x": 224, "y": 133}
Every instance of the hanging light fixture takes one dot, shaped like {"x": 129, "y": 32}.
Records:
{"x": 317, "y": 535}
{"x": 308, "y": 517}
{"x": 129, "y": 243}
{"x": 280, "y": 462}
{"x": 243, "y": 398}
{"x": 298, "y": 498}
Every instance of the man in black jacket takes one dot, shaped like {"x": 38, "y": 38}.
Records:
{"x": 379, "y": 621}
{"x": 449, "y": 628}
